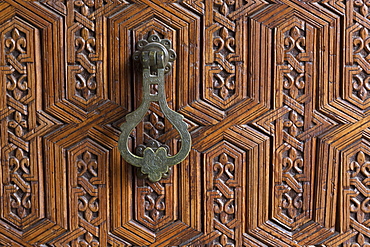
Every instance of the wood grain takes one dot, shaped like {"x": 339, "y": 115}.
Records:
{"x": 276, "y": 95}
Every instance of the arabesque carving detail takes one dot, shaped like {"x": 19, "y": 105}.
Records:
{"x": 359, "y": 170}
{"x": 19, "y": 169}
{"x": 88, "y": 176}
{"x": 224, "y": 204}
{"x": 294, "y": 59}
{"x": 85, "y": 48}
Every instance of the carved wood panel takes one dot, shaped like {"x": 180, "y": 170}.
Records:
{"x": 276, "y": 95}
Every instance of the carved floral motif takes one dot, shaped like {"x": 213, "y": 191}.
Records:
{"x": 155, "y": 205}
{"x": 295, "y": 57}
{"x": 88, "y": 240}
{"x": 292, "y": 168}
{"x": 20, "y": 201}
{"x": 293, "y": 124}
{"x": 16, "y": 43}
{"x": 361, "y": 51}
{"x": 15, "y": 47}
{"x": 361, "y": 7}
{"x": 18, "y": 159}
{"x": 154, "y": 125}
{"x": 224, "y": 45}
{"x": 86, "y": 57}
{"x": 294, "y": 44}
{"x": 360, "y": 241}
{"x": 360, "y": 179}
{"x": 18, "y": 124}
{"x": 87, "y": 7}
{"x": 88, "y": 203}
{"x": 153, "y": 208}
{"x": 224, "y": 205}
{"x": 85, "y": 47}
{"x": 224, "y": 52}
{"x": 224, "y": 6}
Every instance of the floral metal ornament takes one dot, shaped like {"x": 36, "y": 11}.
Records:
{"x": 155, "y": 56}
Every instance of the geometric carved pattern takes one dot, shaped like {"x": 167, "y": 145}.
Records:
{"x": 88, "y": 196}
{"x": 276, "y": 95}
{"x": 86, "y": 71}
{"x": 361, "y": 84}
{"x": 291, "y": 189}
{"x": 294, "y": 125}
{"x": 151, "y": 214}
{"x": 359, "y": 183}
{"x": 19, "y": 189}
{"x": 357, "y": 57}
{"x": 359, "y": 71}
{"x": 228, "y": 177}
{"x": 23, "y": 126}
{"x": 225, "y": 193}
{"x": 154, "y": 124}
{"x": 295, "y": 75}
{"x": 223, "y": 55}
{"x": 20, "y": 171}
{"x": 85, "y": 53}
{"x": 353, "y": 187}
{"x": 157, "y": 202}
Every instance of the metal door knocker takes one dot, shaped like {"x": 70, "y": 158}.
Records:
{"x": 155, "y": 56}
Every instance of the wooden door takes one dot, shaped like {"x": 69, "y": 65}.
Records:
{"x": 276, "y": 95}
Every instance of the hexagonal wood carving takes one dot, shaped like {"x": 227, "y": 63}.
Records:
{"x": 275, "y": 94}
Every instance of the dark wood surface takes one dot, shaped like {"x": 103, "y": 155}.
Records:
{"x": 276, "y": 95}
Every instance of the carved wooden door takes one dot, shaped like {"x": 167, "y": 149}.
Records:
{"x": 276, "y": 95}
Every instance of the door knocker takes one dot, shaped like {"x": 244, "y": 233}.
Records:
{"x": 155, "y": 56}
